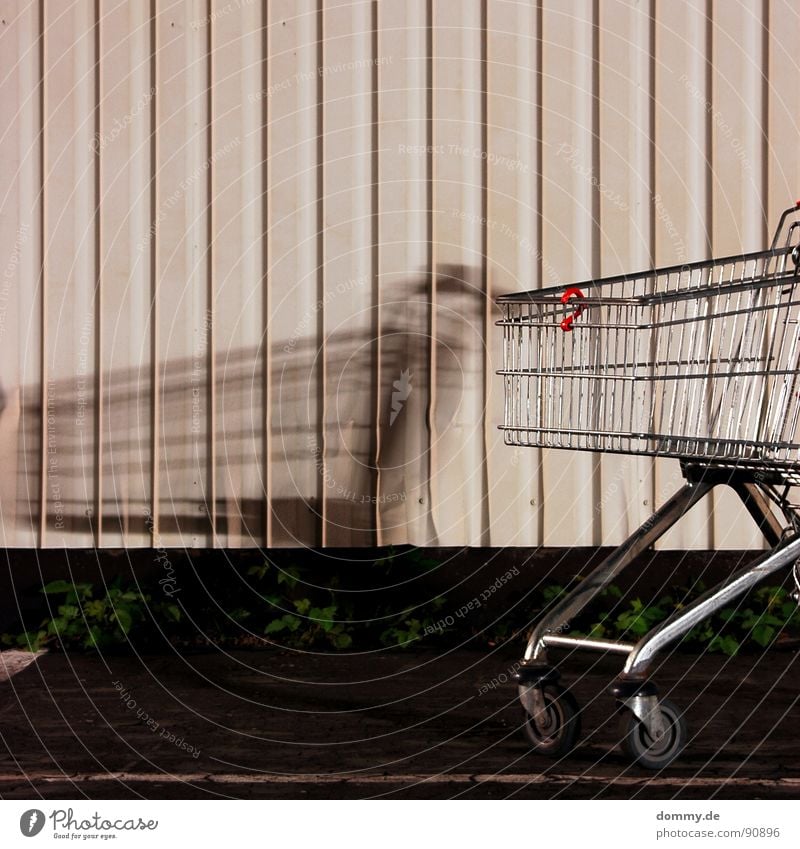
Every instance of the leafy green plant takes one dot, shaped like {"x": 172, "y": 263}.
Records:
{"x": 414, "y": 629}
{"x": 292, "y": 607}
{"x": 305, "y": 616}
{"x": 300, "y": 623}
{"x": 761, "y": 618}
{"x": 92, "y": 618}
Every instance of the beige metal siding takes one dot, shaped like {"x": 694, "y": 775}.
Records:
{"x": 249, "y": 249}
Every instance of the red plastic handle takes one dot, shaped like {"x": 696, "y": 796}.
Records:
{"x": 573, "y": 291}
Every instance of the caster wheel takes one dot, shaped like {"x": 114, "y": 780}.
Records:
{"x": 562, "y": 723}
{"x": 640, "y": 747}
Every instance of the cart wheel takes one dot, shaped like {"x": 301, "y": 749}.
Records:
{"x": 563, "y": 724}
{"x": 639, "y": 746}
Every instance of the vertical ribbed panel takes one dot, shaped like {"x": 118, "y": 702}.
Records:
{"x": 460, "y": 274}
{"x": 513, "y": 231}
{"x": 742, "y": 217}
{"x": 625, "y": 188}
{"x": 348, "y": 285}
{"x": 21, "y": 241}
{"x": 185, "y": 319}
{"x": 570, "y": 240}
{"x": 403, "y": 271}
{"x": 69, "y": 318}
{"x": 248, "y": 257}
{"x": 238, "y": 280}
{"x": 126, "y": 273}
{"x": 683, "y": 177}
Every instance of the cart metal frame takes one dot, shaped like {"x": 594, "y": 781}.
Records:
{"x": 698, "y": 362}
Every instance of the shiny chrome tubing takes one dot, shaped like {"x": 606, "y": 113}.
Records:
{"x": 697, "y": 362}
{"x": 560, "y": 617}
{"x": 673, "y": 629}
{"x": 586, "y": 643}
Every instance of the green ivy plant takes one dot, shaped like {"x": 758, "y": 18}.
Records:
{"x": 288, "y": 609}
{"x": 90, "y": 617}
{"x": 762, "y": 617}
{"x": 284, "y": 607}
{"x": 298, "y": 622}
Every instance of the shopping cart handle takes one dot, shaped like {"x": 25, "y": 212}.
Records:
{"x": 572, "y": 291}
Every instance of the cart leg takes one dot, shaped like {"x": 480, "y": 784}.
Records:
{"x": 558, "y": 619}
{"x": 758, "y": 506}
{"x": 644, "y": 652}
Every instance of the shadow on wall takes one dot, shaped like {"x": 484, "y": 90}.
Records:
{"x": 327, "y": 454}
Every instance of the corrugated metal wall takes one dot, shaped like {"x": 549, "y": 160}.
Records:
{"x": 249, "y": 252}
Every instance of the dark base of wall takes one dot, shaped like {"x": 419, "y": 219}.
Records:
{"x": 463, "y": 574}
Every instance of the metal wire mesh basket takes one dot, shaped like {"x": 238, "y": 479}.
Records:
{"x": 698, "y": 361}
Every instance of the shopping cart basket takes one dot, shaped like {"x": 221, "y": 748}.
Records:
{"x": 699, "y": 362}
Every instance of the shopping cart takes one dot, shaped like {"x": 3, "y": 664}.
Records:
{"x": 698, "y": 362}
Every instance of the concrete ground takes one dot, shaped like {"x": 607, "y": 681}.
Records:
{"x": 268, "y": 724}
